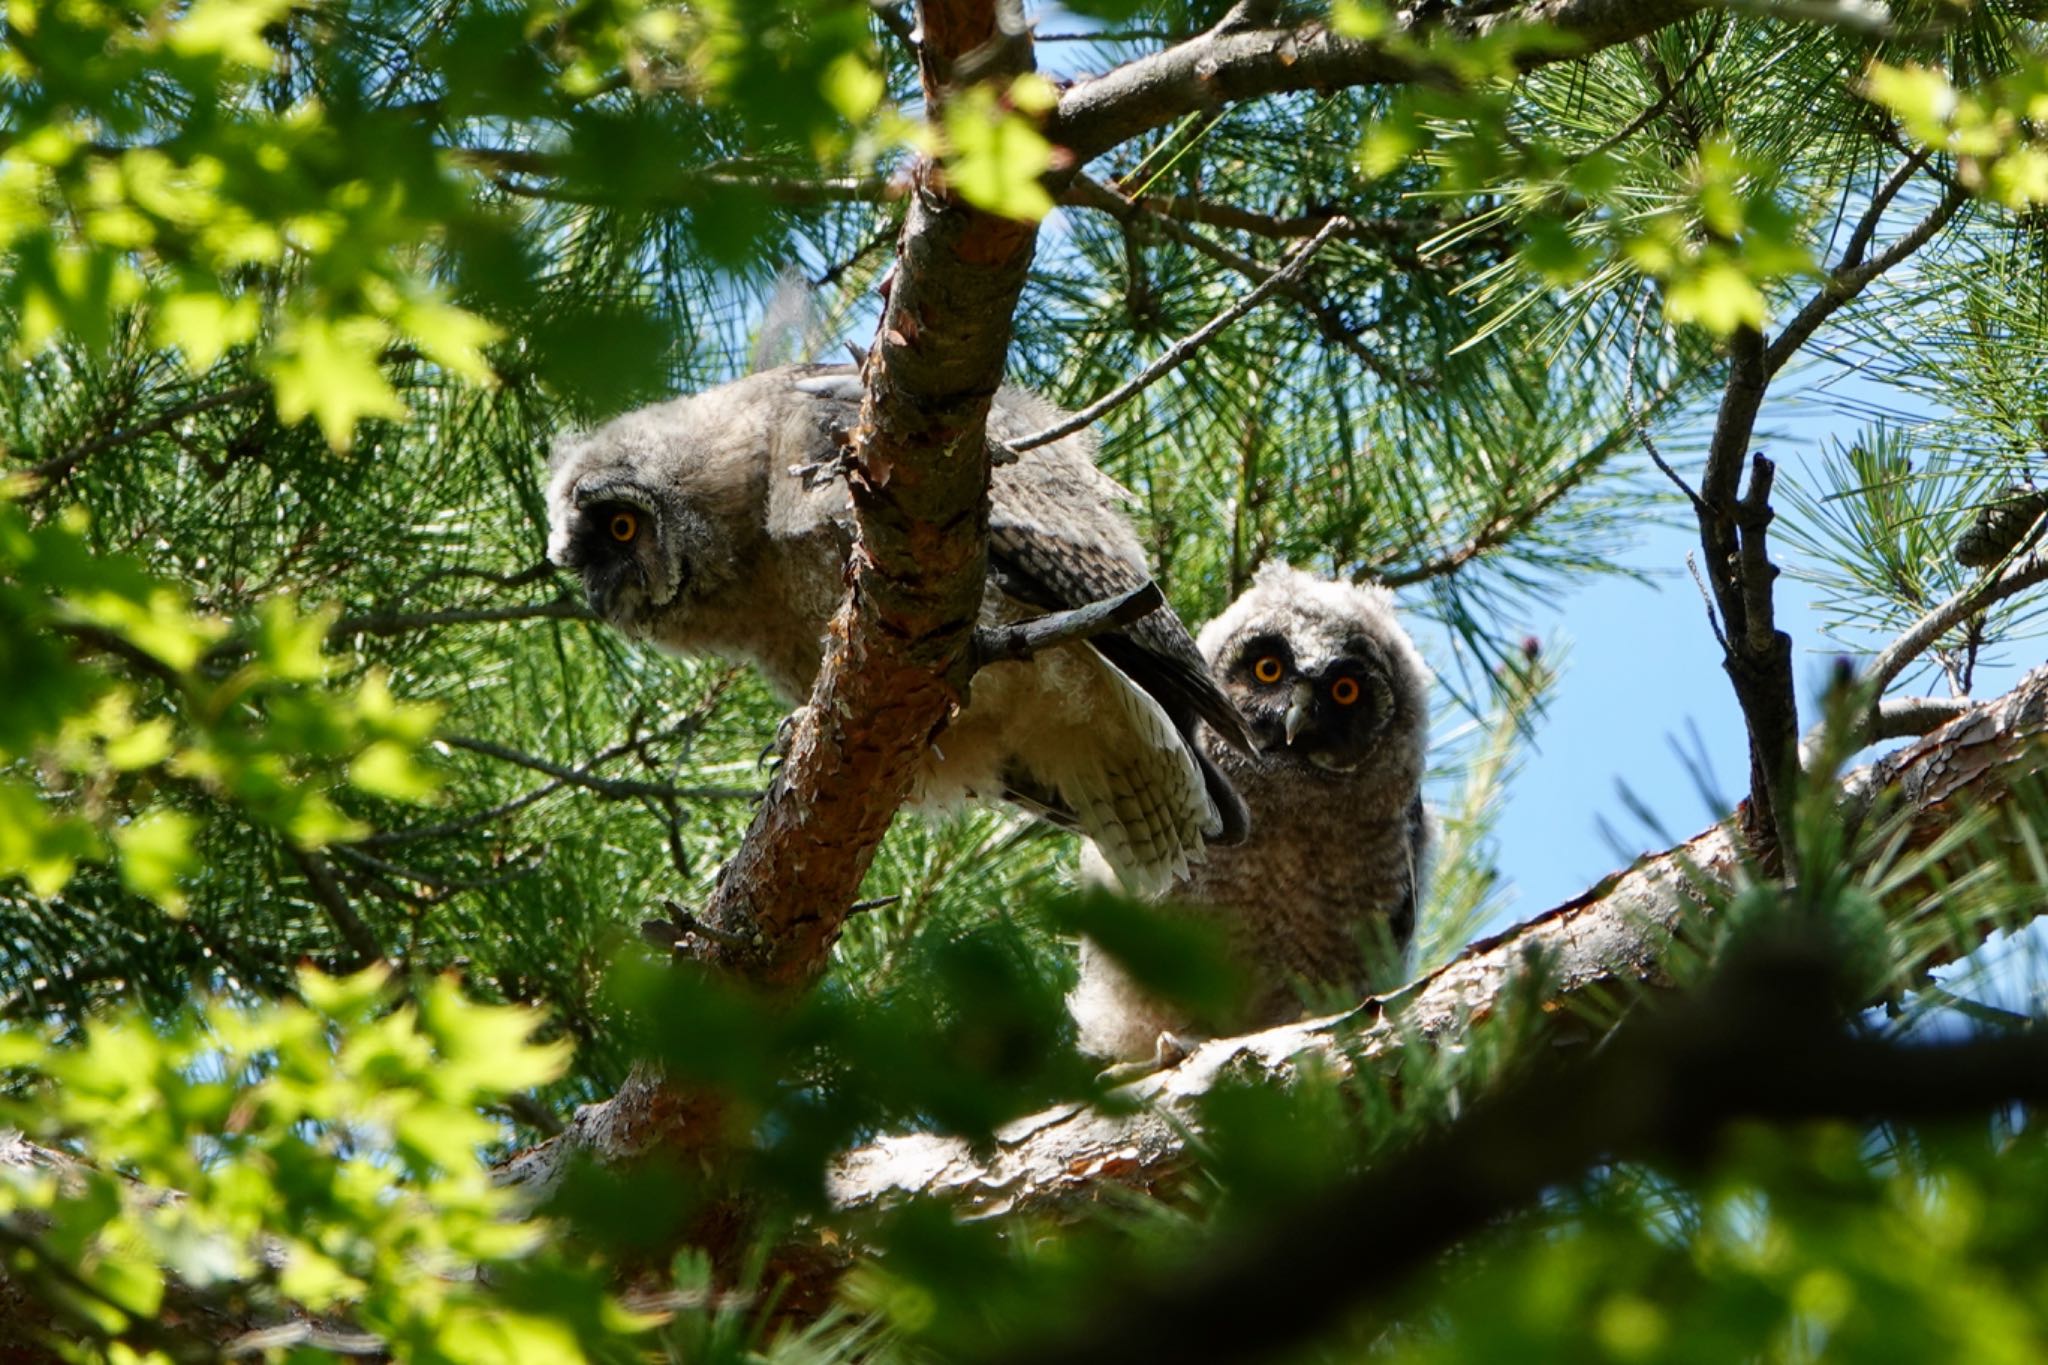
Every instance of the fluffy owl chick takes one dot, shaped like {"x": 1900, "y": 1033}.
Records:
{"x": 692, "y": 529}
{"x": 1321, "y": 897}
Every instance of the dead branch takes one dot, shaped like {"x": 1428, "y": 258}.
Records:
{"x": 997, "y": 644}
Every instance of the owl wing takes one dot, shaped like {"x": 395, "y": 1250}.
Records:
{"x": 1056, "y": 573}
{"x": 1042, "y": 568}
{"x": 1401, "y": 920}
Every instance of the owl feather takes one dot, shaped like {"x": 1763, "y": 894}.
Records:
{"x": 700, "y": 525}
{"x": 1318, "y": 903}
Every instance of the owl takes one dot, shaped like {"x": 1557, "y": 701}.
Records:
{"x": 1320, "y": 899}
{"x": 699, "y": 525}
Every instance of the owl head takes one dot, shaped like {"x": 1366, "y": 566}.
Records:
{"x": 1323, "y": 673}
{"x": 649, "y": 508}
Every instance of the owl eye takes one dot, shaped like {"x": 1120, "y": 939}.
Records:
{"x": 624, "y": 526}
{"x": 1267, "y": 670}
{"x": 1344, "y": 691}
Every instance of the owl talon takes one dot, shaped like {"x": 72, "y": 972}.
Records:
{"x": 1169, "y": 1050}
{"x": 776, "y": 752}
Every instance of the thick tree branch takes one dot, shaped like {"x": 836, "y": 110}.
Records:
{"x": 898, "y": 655}
{"x": 1221, "y": 67}
{"x": 1611, "y": 941}
{"x": 1665, "y": 1087}
{"x": 897, "y": 659}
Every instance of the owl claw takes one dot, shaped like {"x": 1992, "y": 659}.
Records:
{"x": 1169, "y": 1050}
{"x": 776, "y": 751}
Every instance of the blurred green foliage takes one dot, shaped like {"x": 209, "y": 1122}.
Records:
{"x": 294, "y": 296}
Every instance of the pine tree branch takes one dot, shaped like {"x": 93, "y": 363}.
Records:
{"x": 2024, "y": 568}
{"x": 612, "y": 788}
{"x": 1760, "y": 1045}
{"x": 1510, "y": 523}
{"x": 1222, "y": 67}
{"x": 404, "y": 623}
{"x": 1611, "y": 941}
{"x": 53, "y": 471}
{"x": 1854, "y": 274}
{"x": 1096, "y": 195}
{"x": 328, "y": 894}
{"x": 899, "y": 650}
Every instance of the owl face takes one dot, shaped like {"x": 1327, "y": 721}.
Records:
{"x": 1325, "y": 676}
{"x": 626, "y": 512}
{"x": 1328, "y": 710}
{"x": 617, "y": 537}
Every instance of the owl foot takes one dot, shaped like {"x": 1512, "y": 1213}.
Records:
{"x": 1168, "y": 1050}
{"x": 776, "y": 752}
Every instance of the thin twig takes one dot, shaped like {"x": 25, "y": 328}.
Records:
{"x": 1663, "y": 101}
{"x": 278, "y": 1338}
{"x": 400, "y": 623}
{"x": 1506, "y": 526}
{"x": 2024, "y": 567}
{"x": 52, "y": 471}
{"x": 669, "y": 932}
{"x": 1847, "y": 281}
{"x": 1093, "y": 194}
{"x": 1866, "y": 227}
{"x": 1020, "y": 642}
{"x": 618, "y": 789}
{"x": 1178, "y": 353}
{"x": 1692, "y": 566}
{"x": 327, "y": 891}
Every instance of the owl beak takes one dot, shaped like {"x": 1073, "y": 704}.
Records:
{"x": 1298, "y": 708}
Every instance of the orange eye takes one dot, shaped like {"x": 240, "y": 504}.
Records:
{"x": 624, "y": 526}
{"x": 1267, "y": 670}
{"x": 1344, "y": 691}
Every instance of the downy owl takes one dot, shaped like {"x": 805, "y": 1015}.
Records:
{"x": 692, "y": 528}
{"x": 1321, "y": 897}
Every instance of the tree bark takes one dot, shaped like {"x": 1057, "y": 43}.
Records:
{"x": 1225, "y": 66}
{"x": 897, "y": 654}
{"x": 1613, "y": 939}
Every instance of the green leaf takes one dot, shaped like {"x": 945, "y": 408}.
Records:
{"x": 229, "y": 29}
{"x": 386, "y": 768}
{"x": 451, "y": 337}
{"x": 327, "y": 368}
{"x": 994, "y": 156}
{"x": 290, "y": 646}
{"x": 1718, "y": 295}
{"x": 1361, "y": 19}
{"x": 1390, "y": 141}
{"x": 1920, "y": 97}
{"x": 155, "y": 851}
{"x": 202, "y": 326}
